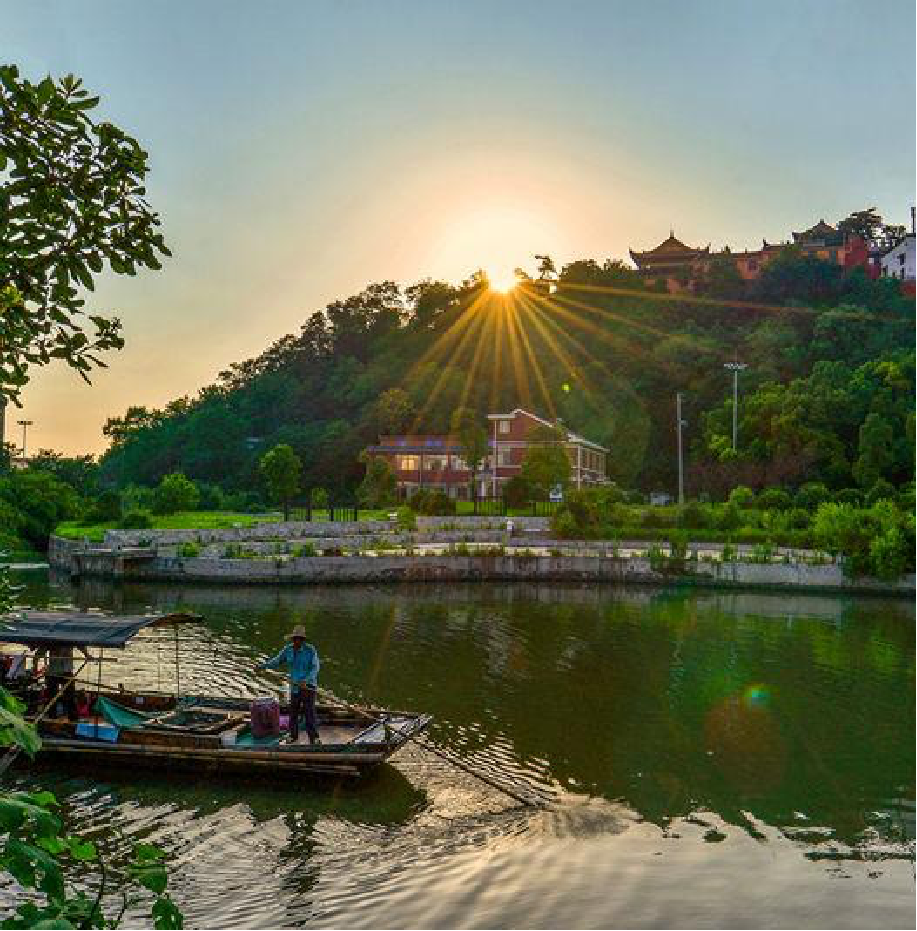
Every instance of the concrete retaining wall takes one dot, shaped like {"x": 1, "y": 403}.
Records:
{"x": 568, "y": 568}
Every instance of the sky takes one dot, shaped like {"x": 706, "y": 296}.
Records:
{"x": 301, "y": 150}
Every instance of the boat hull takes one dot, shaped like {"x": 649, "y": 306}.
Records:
{"x": 97, "y": 754}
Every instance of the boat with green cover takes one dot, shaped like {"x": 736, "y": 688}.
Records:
{"x": 153, "y": 730}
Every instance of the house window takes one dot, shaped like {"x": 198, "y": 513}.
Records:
{"x": 901, "y": 258}
{"x": 436, "y": 463}
{"x": 407, "y": 463}
{"x": 503, "y": 426}
{"x": 752, "y": 265}
{"x": 505, "y": 457}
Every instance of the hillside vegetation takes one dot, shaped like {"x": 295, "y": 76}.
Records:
{"x": 827, "y": 395}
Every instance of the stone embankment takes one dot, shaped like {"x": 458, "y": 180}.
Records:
{"x": 440, "y": 549}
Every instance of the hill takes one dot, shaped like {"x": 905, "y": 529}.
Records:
{"x": 827, "y": 395}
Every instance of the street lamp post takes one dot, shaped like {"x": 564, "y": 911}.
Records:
{"x": 735, "y": 368}
{"x": 25, "y": 424}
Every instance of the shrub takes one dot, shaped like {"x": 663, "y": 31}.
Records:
{"x": 881, "y": 491}
{"x": 517, "y": 492}
{"x": 189, "y": 550}
{"x": 406, "y": 519}
{"x": 811, "y": 495}
{"x": 175, "y": 493}
{"x": 693, "y": 515}
{"x": 728, "y": 517}
{"x": 40, "y": 501}
{"x": 798, "y": 519}
{"x": 107, "y": 507}
{"x": 136, "y": 520}
{"x": 319, "y": 498}
{"x": 849, "y": 496}
{"x": 678, "y": 545}
{"x": 657, "y": 517}
{"x": 742, "y": 496}
{"x": 563, "y": 524}
{"x": 774, "y": 499}
{"x": 889, "y": 553}
{"x": 432, "y": 503}
{"x": 875, "y": 541}
{"x": 212, "y": 497}
{"x": 305, "y": 549}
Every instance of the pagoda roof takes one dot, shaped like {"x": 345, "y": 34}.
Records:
{"x": 669, "y": 249}
{"x": 819, "y": 232}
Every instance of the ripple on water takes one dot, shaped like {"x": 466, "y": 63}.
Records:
{"x": 642, "y": 714}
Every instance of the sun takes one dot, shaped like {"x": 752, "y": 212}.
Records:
{"x": 501, "y": 280}
{"x": 490, "y": 233}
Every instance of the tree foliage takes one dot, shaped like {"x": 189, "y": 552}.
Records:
{"x": 280, "y": 470}
{"x": 472, "y": 437}
{"x": 379, "y": 487}
{"x": 176, "y": 492}
{"x": 600, "y": 352}
{"x": 546, "y": 464}
{"x": 72, "y": 203}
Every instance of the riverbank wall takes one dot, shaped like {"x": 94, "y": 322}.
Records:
{"x": 568, "y": 561}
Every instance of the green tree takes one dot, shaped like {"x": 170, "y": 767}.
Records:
{"x": 472, "y": 438}
{"x": 80, "y": 472}
{"x": 875, "y": 450}
{"x": 176, "y": 492}
{"x": 40, "y": 501}
{"x": 280, "y": 469}
{"x": 546, "y": 463}
{"x": 72, "y": 201}
{"x": 867, "y": 224}
{"x": 379, "y": 487}
{"x": 394, "y": 410}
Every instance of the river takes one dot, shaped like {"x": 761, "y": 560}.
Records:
{"x": 736, "y": 760}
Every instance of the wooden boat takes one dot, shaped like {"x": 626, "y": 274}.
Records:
{"x": 155, "y": 730}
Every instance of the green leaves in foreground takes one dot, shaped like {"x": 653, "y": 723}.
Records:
{"x": 39, "y": 855}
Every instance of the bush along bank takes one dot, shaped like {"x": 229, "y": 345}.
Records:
{"x": 875, "y": 540}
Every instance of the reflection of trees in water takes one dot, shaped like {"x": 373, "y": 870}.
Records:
{"x": 672, "y": 700}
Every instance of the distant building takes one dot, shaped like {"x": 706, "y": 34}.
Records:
{"x": 428, "y": 461}
{"x": 671, "y": 262}
{"x": 899, "y": 261}
{"x": 679, "y": 266}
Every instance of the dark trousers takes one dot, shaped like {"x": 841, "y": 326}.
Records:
{"x": 302, "y": 701}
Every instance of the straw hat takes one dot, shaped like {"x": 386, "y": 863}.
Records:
{"x": 297, "y": 631}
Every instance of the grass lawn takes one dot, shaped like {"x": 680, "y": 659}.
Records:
{"x": 183, "y": 520}
{"x": 198, "y": 520}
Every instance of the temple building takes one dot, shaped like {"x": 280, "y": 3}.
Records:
{"x": 679, "y": 266}
{"x": 671, "y": 262}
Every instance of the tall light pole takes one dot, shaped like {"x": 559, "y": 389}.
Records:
{"x": 25, "y": 424}
{"x": 735, "y": 368}
{"x": 681, "y": 462}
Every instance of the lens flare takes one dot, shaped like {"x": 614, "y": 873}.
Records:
{"x": 756, "y": 696}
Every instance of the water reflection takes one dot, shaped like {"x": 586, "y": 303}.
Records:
{"x": 678, "y": 724}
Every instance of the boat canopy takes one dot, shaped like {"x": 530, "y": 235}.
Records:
{"x": 64, "y": 628}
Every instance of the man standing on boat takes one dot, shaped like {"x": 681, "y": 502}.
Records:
{"x": 301, "y": 660}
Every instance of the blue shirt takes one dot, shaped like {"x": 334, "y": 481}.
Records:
{"x": 302, "y": 664}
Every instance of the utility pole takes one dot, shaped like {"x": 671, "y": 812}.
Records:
{"x": 735, "y": 368}
{"x": 681, "y": 461}
{"x": 25, "y": 424}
